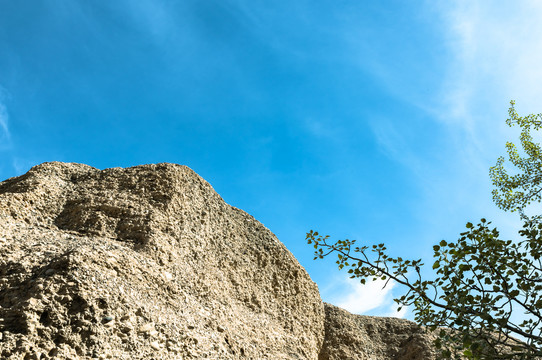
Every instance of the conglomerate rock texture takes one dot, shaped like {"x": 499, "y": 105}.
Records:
{"x": 149, "y": 262}
{"x": 350, "y": 336}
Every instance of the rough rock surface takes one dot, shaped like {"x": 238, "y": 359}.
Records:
{"x": 349, "y": 336}
{"x": 145, "y": 263}
{"x": 150, "y": 263}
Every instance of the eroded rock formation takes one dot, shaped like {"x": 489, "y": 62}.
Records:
{"x": 349, "y": 336}
{"x": 149, "y": 262}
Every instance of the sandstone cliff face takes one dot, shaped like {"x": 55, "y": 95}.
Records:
{"x": 150, "y": 263}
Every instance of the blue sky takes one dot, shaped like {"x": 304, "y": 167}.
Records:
{"x": 369, "y": 120}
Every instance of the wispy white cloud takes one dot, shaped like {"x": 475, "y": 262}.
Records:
{"x": 496, "y": 55}
{"x": 372, "y": 298}
{"x": 6, "y": 146}
{"x": 4, "y": 120}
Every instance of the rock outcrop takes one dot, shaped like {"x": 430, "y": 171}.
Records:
{"x": 149, "y": 262}
{"x": 349, "y": 336}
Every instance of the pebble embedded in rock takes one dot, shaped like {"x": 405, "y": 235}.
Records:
{"x": 146, "y": 328}
{"x": 155, "y": 345}
{"x": 126, "y": 329}
{"x": 168, "y": 276}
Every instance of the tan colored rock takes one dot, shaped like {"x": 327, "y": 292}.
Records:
{"x": 146, "y": 328}
{"x": 150, "y": 263}
{"x": 358, "y": 337}
{"x": 153, "y": 244}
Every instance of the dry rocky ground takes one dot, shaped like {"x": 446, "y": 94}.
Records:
{"x": 149, "y": 262}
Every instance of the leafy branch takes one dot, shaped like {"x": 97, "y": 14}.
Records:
{"x": 480, "y": 282}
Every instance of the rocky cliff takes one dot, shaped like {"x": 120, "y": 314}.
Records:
{"x": 149, "y": 262}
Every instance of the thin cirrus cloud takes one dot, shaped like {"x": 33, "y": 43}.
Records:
{"x": 493, "y": 59}
{"x": 6, "y": 150}
{"x": 496, "y": 55}
{"x": 4, "y": 120}
{"x": 498, "y": 61}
